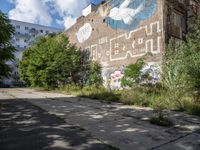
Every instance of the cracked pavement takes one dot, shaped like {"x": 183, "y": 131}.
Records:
{"x": 124, "y": 127}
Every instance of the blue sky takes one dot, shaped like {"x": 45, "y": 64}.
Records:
{"x": 55, "y": 13}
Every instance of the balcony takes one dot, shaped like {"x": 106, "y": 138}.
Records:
{"x": 33, "y": 31}
{"x": 22, "y": 35}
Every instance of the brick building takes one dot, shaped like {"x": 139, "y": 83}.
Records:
{"x": 118, "y": 32}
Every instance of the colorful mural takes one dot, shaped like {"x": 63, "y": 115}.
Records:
{"x": 153, "y": 70}
{"x": 115, "y": 79}
{"x": 127, "y": 14}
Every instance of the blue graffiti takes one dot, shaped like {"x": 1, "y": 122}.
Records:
{"x": 127, "y": 14}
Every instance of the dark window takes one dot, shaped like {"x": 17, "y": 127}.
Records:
{"x": 26, "y": 28}
{"x": 47, "y": 32}
{"x": 180, "y": 20}
{"x": 18, "y": 26}
{"x": 41, "y": 31}
{"x": 86, "y": 54}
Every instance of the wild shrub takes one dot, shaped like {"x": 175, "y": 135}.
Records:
{"x": 132, "y": 74}
{"x": 100, "y": 93}
{"x": 92, "y": 74}
{"x": 181, "y": 72}
{"x": 135, "y": 96}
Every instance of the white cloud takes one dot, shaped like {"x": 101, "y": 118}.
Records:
{"x": 33, "y": 11}
{"x": 69, "y": 21}
{"x": 41, "y": 11}
{"x": 69, "y": 10}
{"x": 70, "y": 6}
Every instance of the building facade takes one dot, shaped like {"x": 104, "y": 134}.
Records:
{"x": 119, "y": 32}
{"x": 25, "y": 35}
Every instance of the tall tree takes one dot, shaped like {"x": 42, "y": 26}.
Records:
{"x": 6, "y": 49}
{"x": 51, "y": 62}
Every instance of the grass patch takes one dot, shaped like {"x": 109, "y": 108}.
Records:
{"x": 134, "y": 97}
{"x": 193, "y": 109}
{"x": 100, "y": 93}
{"x": 155, "y": 97}
{"x": 161, "y": 121}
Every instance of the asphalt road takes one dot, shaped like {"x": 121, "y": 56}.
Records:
{"x": 24, "y": 126}
{"x": 31, "y": 120}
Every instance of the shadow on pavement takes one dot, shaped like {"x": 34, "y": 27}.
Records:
{"x": 24, "y": 126}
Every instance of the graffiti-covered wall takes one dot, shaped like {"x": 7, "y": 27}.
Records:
{"x": 120, "y": 32}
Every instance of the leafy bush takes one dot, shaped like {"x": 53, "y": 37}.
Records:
{"x": 93, "y": 74}
{"x": 180, "y": 76}
{"x": 132, "y": 74}
{"x": 191, "y": 106}
{"x": 193, "y": 109}
{"x": 161, "y": 121}
{"x": 99, "y": 93}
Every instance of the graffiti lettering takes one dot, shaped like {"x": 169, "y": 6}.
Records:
{"x": 133, "y": 44}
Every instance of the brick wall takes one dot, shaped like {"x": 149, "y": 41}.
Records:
{"x": 115, "y": 47}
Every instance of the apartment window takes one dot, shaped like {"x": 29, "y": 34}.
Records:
{"x": 41, "y": 31}
{"x": 179, "y": 20}
{"x": 18, "y": 26}
{"x": 33, "y": 35}
{"x": 26, "y": 28}
{"x": 25, "y": 41}
{"x": 17, "y": 39}
{"x": 47, "y": 32}
{"x": 25, "y": 47}
{"x": 18, "y": 46}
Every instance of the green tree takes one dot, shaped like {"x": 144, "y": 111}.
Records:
{"x": 93, "y": 74}
{"x": 51, "y": 62}
{"x": 23, "y": 66}
{"x": 6, "y": 49}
